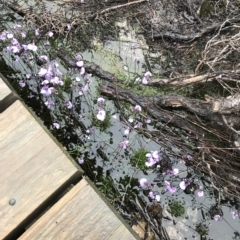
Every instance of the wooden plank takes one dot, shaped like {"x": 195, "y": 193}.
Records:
{"x": 80, "y": 214}
{"x": 32, "y": 167}
{"x": 7, "y": 97}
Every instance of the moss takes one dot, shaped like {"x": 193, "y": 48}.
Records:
{"x": 202, "y": 229}
{"x": 139, "y": 158}
{"x": 176, "y": 208}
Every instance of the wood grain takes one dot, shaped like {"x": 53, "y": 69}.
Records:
{"x": 32, "y": 166}
{"x": 80, "y": 214}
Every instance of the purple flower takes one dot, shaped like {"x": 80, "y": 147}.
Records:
{"x": 157, "y": 197}
{"x": 100, "y": 100}
{"x": 136, "y": 59}
{"x": 69, "y": 105}
{"x": 152, "y": 158}
{"x": 78, "y": 57}
{"x": 37, "y": 31}
{"x": 32, "y": 47}
{"x": 16, "y": 26}
{"x": 151, "y": 195}
{"x": 138, "y": 125}
{"x": 50, "y": 34}
{"x": 9, "y": 35}
{"x": 217, "y": 217}
{"x": 14, "y": 41}
{"x": 23, "y": 34}
{"x": 138, "y": 108}
{"x": 82, "y": 71}
{"x": 49, "y": 103}
{"x": 13, "y": 49}
{"x": 170, "y": 188}
{"x": 123, "y": 144}
{"x": 80, "y": 160}
{"x": 143, "y": 183}
{"x": 68, "y": 27}
{"x": 234, "y": 214}
{"x": 175, "y": 171}
{"x": 47, "y": 90}
{"x": 146, "y": 77}
{"x": 101, "y": 115}
{"x": 43, "y": 58}
{"x": 183, "y": 185}
{"x": 22, "y": 83}
{"x": 79, "y": 63}
{"x": 42, "y": 72}
{"x": 56, "y": 125}
{"x": 126, "y": 131}
{"x": 148, "y": 121}
{"x": 200, "y": 192}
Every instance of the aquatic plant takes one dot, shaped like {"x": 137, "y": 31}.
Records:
{"x": 176, "y": 208}
{"x": 139, "y": 158}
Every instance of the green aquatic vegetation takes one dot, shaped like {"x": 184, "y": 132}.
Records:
{"x": 176, "y": 208}
{"x": 202, "y": 229}
{"x": 139, "y": 158}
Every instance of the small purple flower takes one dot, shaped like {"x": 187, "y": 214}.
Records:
{"x": 217, "y": 217}
{"x": 130, "y": 120}
{"x": 32, "y": 47}
{"x": 138, "y": 108}
{"x": 170, "y": 188}
{"x": 49, "y": 103}
{"x": 175, "y": 171}
{"x": 82, "y": 70}
{"x": 16, "y": 26}
{"x": 56, "y": 125}
{"x": 126, "y": 131}
{"x": 200, "y": 192}
{"x": 69, "y": 105}
{"x": 123, "y": 144}
{"x": 9, "y": 35}
{"x": 47, "y": 90}
{"x": 78, "y": 57}
{"x": 157, "y": 197}
{"x": 234, "y": 214}
{"x": 79, "y": 63}
{"x": 183, "y": 185}
{"x": 80, "y": 160}
{"x": 146, "y": 77}
{"x": 13, "y": 49}
{"x": 101, "y": 100}
{"x": 43, "y": 58}
{"x": 143, "y": 183}
{"x": 152, "y": 158}
{"x": 22, "y": 83}
{"x": 68, "y": 27}
{"x": 42, "y": 72}
{"x": 151, "y": 195}
{"x": 14, "y": 41}
{"x": 148, "y": 121}
{"x": 136, "y": 59}
{"x": 138, "y": 125}
{"x": 37, "y": 32}
{"x": 23, "y": 34}
{"x": 101, "y": 115}
{"x": 50, "y": 33}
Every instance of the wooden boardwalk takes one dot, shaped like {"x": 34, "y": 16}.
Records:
{"x": 43, "y": 194}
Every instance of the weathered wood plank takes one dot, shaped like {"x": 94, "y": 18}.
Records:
{"x": 80, "y": 214}
{"x": 32, "y": 167}
{"x": 7, "y": 97}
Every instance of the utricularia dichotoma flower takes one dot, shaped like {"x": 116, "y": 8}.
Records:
{"x": 152, "y": 158}
{"x": 101, "y": 115}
